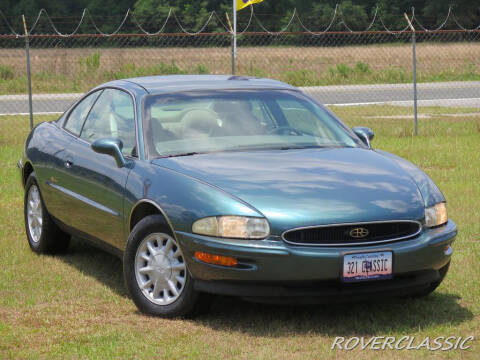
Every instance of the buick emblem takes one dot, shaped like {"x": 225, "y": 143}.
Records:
{"x": 359, "y": 233}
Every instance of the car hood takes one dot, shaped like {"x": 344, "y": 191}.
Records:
{"x": 306, "y": 187}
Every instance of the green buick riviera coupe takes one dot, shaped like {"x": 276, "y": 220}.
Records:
{"x": 232, "y": 185}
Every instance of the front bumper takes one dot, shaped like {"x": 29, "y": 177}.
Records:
{"x": 272, "y": 263}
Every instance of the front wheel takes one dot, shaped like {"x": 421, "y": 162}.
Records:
{"x": 155, "y": 271}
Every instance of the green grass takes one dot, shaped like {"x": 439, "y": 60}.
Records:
{"x": 75, "y": 305}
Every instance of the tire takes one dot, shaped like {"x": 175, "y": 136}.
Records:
{"x": 44, "y": 236}
{"x": 156, "y": 274}
{"x": 433, "y": 286}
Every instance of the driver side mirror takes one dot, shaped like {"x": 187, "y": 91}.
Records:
{"x": 365, "y": 134}
{"x": 112, "y": 147}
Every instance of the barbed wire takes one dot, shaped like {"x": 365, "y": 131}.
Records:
{"x": 275, "y": 32}
{"x": 373, "y": 21}
{"x": 227, "y": 28}
{"x": 248, "y": 24}
{"x": 135, "y": 21}
{"x": 336, "y": 15}
{"x": 196, "y": 32}
{"x": 322, "y": 31}
{"x": 43, "y": 11}
{"x": 12, "y": 30}
{"x": 401, "y": 31}
{"x": 439, "y": 27}
{"x": 461, "y": 27}
{"x": 108, "y": 34}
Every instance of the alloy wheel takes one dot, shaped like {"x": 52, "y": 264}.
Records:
{"x": 34, "y": 214}
{"x": 160, "y": 269}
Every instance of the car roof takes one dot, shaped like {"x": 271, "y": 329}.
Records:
{"x": 175, "y": 83}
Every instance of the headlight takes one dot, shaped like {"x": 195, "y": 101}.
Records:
{"x": 436, "y": 215}
{"x": 239, "y": 227}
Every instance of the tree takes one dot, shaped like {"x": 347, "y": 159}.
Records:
{"x": 274, "y": 14}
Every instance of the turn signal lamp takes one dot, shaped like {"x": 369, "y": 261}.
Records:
{"x": 216, "y": 259}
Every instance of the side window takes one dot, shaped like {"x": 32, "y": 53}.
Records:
{"x": 112, "y": 116}
{"x": 79, "y": 113}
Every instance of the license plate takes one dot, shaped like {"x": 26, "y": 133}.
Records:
{"x": 367, "y": 266}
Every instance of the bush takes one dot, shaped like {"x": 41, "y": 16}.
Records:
{"x": 201, "y": 69}
{"x": 362, "y": 68}
{"x": 300, "y": 77}
{"x": 91, "y": 62}
{"x": 344, "y": 70}
{"x": 167, "y": 69}
{"x": 6, "y": 72}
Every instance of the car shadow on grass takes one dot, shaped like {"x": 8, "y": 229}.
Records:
{"x": 344, "y": 319}
{"x": 96, "y": 263}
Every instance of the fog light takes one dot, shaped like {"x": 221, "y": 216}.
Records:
{"x": 448, "y": 250}
{"x": 215, "y": 259}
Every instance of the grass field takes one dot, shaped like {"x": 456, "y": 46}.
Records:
{"x": 75, "y": 305}
{"x": 63, "y": 69}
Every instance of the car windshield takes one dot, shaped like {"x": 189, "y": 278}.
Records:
{"x": 238, "y": 120}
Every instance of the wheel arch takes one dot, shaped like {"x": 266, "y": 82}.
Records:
{"x": 146, "y": 207}
{"x": 27, "y": 170}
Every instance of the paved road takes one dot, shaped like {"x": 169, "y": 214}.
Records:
{"x": 429, "y": 94}
{"x": 42, "y": 103}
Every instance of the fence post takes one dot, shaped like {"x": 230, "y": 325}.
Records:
{"x": 29, "y": 77}
{"x": 233, "y": 45}
{"x": 414, "y": 59}
{"x": 233, "y": 56}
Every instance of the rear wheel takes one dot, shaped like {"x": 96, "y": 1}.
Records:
{"x": 43, "y": 234}
{"x": 156, "y": 274}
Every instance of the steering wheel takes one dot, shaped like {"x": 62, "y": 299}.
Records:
{"x": 286, "y": 130}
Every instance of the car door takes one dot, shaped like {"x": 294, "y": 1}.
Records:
{"x": 96, "y": 183}
{"x": 56, "y": 198}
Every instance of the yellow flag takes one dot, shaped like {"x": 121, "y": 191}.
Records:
{"x": 244, "y": 3}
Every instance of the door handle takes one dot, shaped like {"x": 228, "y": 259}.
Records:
{"x": 68, "y": 164}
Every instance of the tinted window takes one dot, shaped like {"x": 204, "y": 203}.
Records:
{"x": 112, "y": 116}
{"x": 79, "y": 113}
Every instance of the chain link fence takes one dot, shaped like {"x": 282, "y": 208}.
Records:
{"x": 339, "y": 68}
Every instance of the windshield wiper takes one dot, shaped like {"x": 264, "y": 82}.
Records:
{"x": 302, "y": 147}
{"x": 257, "y": 148}
{"x": 272, "y": 147}
{"x": 178, "y": 155}
{"x": 315, "y": 147}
